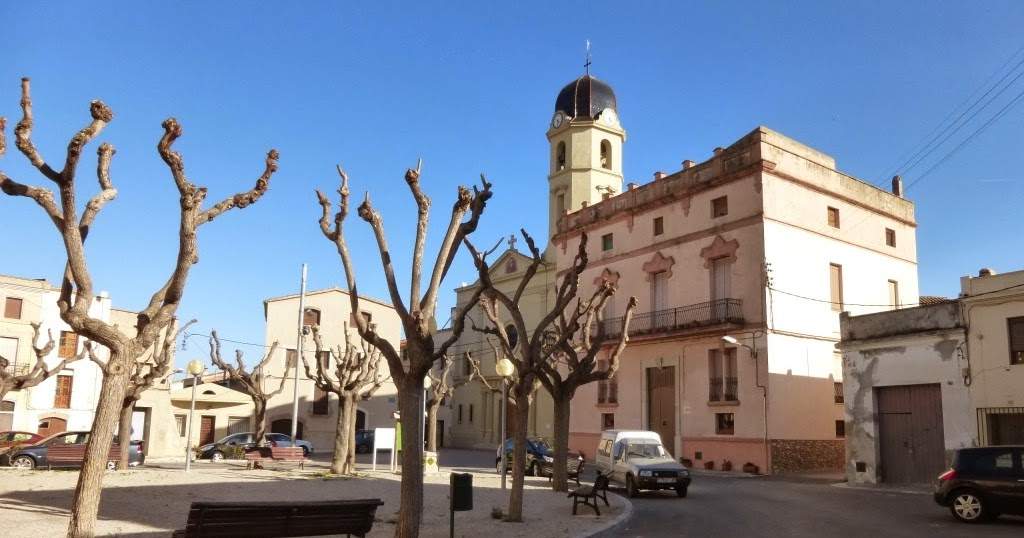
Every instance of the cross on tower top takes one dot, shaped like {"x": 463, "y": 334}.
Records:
{"x": 587, "y": 64}
{"x": 512, "y": 242}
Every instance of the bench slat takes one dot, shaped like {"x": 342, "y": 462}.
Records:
{"x": 269, "y": 518}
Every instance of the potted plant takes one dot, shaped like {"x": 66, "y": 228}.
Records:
{"x": 750, "y": 468}
{"x": 709, "y": 465}
{"x": 687, "y": 462}
{"x": 726, "y": 465}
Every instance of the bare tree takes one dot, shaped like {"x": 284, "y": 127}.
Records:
{"x": 253, "y": 383}
{"x": 417, "y": 317}
{"x": 10, "y": 379}
{"x": 534, "y": 353}
{"x": 151, "y": 367}
{"x": 76, "y": 293}
{"x": 354, "y": 376}
{"x": 442, "y": 388}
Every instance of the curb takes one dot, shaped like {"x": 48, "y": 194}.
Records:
{"x": 876, "y": 489}
{"x": 627, "y": 512}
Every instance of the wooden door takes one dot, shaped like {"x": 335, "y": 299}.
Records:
{"x": 661, "y": 404}
{"x": 207, "y": 425}
{"x": 51, "y": 426}
{"x": 910, "y": 433}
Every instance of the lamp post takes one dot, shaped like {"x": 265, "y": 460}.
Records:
{"x": 195, "y": 369}
{"x": 504, "y": 368}
{"x": 426, "y": 389}
{"x": 764, "y": 393}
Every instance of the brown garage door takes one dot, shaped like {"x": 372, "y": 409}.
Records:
{"x": 910, "y": 433}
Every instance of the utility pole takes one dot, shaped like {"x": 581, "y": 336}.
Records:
{"x": 298, "y": 357}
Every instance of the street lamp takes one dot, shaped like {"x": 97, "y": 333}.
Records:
{"x": 195, "y": 369}
{"x": 504, "y": 368}
{"x": 764, "y": 391}
{"x": 426, "y": 390}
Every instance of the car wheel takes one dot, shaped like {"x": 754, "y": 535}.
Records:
{"x": 532, "y": 471}
{"x": 968, "y": 506}
{"x": 305, "y": 452}
{"x": 681, "y": 491}
{"x": 217, "y": 456}
{"x": 630, "y": 486}
{"x": 24, "y": 462}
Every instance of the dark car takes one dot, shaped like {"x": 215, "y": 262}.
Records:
{"x": 223, "y": 449}
{"x": 32, "y": 456}
{"x": 9, "y": 439}
{"x": 364, "y": 441}
{"x": 983, "y": 483}
{"x": 540, "y": 458}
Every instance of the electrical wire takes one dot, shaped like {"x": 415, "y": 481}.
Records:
{"x": 844, "y": 303}
{"x": 930, "y": 145}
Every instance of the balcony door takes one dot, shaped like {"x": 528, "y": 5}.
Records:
{"x": 721, "y": 287}
{"x": 660, "y": 316}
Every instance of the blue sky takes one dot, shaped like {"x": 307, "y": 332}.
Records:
{"x": 470, "y": 88}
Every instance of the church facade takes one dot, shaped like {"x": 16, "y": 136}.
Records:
{"x": 741, "y": 265}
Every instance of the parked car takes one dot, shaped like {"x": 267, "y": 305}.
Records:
{"x": 638, "y": 461}
{"x": 222, "y": 449}
{"x": 364, "y": 441}
{"x": 983, "y": 483}
{"x": 9, "y": 439}
{"x": 34, "y": 455}
{"x": 540, "y": 458}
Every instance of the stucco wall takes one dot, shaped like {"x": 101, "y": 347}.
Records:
{"x": 913, "y": 359}
{"x": 335, "y": 311}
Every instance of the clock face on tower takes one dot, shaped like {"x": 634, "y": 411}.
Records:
{"x": 559, "y": 118}
{"x": 608, "y": 117}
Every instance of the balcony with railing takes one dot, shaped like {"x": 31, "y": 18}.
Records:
{"x": 680, "y": 319}
{"x": 16, "y": 369}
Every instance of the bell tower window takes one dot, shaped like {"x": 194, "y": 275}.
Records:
{"x": 606, "y": 154}
{"x": 560, "y": 157}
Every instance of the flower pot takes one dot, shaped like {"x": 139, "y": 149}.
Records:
{"x": 750, "y": 468}
{"x": 709, "y": 465}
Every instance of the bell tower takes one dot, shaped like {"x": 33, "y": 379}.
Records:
{"x": 585, "y": 139}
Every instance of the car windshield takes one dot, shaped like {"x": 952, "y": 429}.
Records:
{"x": 645, "y": 450}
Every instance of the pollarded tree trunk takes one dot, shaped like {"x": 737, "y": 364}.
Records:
{"x": 260, "y": 414}
{"x": 432, "y": 427}
{"x": 410, "y": 403}
{"x": 124, "y": 432}
{"x": 560, "y": 480}
{"x": 343, "y": 459}
{"x": 97, "y": 450}
{"x": 520, "y": 417}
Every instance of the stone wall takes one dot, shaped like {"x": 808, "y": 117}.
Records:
{"x": 791, "y": 455}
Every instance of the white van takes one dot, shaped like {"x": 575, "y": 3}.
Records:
{"x": 637, "y": 460}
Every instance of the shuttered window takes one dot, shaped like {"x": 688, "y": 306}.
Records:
{"x": 62, "y": 399}
{"x": 320, "y": 401}
{"x": 836, "y": 284}
{"x": 311, "y": 317}
{"x": 833, "y": 217}
{"x": 68, "y": 345}
{"x": 723, "y": 377}
{"x": 12, "y": 308}
{"x": 890, "y": 237}
{"x": 607, "y": 389}
{"x": 1016, "y": 332}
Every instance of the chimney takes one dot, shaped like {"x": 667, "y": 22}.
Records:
{"x": 631, "y": 185}
{"x": 897, "y": 186}
{"x": 687, "y": 164}
{"x": 986, "y": 271}
{"x": 719, "y": 150}
{"x": 659, "y": 175}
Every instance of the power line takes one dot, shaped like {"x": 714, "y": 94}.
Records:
{"x": 1002, "y": 112}
{"x": 844, "y": 303}
{"x": 938, "y": 130}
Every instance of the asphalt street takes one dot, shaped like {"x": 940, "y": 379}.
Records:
{"x": 758, "y": 506}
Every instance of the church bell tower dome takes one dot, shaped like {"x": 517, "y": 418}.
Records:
{"x": 585, "y": 98}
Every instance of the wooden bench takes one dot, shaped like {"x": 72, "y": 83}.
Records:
{"x": 266, "y": 519}
{"x": 572, "y": 475}
{"x": 72, "y": 455}
{"x": 588, "y": 495}
{"x": 285, "y": 454}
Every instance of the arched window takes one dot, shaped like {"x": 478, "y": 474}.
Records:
{"x": 606, "y": 154}
{"x": 560, "y": 157}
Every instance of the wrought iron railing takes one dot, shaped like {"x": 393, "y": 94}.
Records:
{"x": 17, "y": 369}
{"x": 680, "y": 318}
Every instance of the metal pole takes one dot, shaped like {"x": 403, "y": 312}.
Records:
{"x": 298, "y": 357}
{"x": 191, "y": 415}
{"x": 504, "y": 434}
